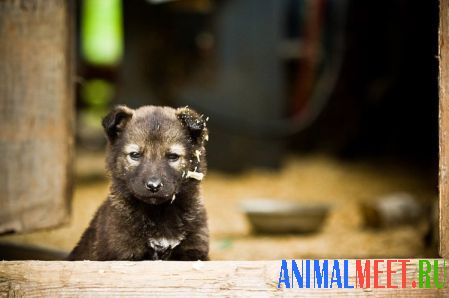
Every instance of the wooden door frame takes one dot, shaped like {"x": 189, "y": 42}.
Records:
{"x": 443, "y": 51}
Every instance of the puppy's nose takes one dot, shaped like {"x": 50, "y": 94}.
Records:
{"x": 153, "y": 184}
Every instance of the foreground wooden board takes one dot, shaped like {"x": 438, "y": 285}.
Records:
{"x": 182, "y": 279}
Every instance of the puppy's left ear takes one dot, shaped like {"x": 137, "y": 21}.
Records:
{"x": 195, "y": 124}
{"x": 115, "y": 121}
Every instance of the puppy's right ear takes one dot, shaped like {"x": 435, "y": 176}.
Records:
{"x": 115, "y": 121}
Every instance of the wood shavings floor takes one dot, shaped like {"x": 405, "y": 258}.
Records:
{"x": 318, "y": 178}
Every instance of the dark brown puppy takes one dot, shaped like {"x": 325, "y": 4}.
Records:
{"x": 156, "y": 160}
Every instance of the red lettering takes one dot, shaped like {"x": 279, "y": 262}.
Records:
{"x": 376, "y": 274}
{"x": 404, "y": 272}
{"x": 362, "y": 277}
{"x": 389, "y": 273}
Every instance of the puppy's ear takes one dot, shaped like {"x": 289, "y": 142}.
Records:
{"x": 194, "y": 122}
{"x": 115, "y": 121}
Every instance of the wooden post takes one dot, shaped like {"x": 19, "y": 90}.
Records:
{"x": 444, "y": 127}
{"x": 36, "y": 114}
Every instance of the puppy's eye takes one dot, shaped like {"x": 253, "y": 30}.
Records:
{"x": 172, "y": 156}
{"x": 135, "y": 155}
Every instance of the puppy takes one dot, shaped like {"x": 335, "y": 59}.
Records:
{"x": 156, "y": 161}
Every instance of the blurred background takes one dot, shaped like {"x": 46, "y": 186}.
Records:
{"x": 323, "y": 120}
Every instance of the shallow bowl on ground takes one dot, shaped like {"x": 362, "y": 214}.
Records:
{"x": 275, "y": 216}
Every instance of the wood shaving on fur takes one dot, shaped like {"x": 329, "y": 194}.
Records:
{"x": 195, "y": 175}
{"x": 197, "y": 155}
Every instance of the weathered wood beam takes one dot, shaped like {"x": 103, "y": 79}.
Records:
{"x": 36, "y": 114}
{"x": 444, "y": 126}
{"x": 183, "y": 279}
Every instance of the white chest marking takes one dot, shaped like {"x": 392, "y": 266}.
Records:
{"x": 162, "y": 243}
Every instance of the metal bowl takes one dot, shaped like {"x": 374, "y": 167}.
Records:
{"x": 275, "y": 217}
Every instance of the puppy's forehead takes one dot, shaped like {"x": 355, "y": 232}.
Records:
{"x": 151, "y": 124}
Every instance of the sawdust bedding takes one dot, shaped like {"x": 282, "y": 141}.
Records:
{"x": 317, "y": 178}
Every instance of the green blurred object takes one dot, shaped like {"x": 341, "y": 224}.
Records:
{"x": 97, "y": 93}
{"x": 102, "y": 31}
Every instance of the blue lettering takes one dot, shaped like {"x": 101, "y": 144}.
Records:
{"x": 308, "y": 274}
{"x": 336, "y": 277}
{"x": 320, "y": 275}
{"x": 346, "y": 277}
{"x": 283, "y": 275}
{"x": 298, "y": 276}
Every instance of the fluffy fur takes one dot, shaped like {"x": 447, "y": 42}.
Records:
{"x": 154, "y": 210}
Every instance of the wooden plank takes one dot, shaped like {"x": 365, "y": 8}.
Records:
{"x": 36, "y": 114}
{"x": 444, "y": 127}
{"x": 181, "y": 279}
